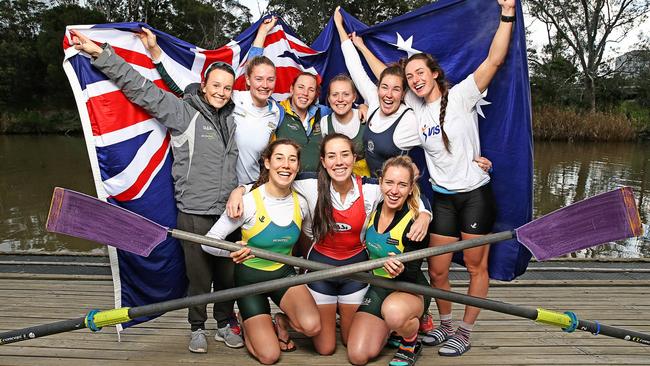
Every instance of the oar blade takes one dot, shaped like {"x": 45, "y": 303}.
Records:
{"x": 82, "y": 216}
{"x": 606, "y": 217}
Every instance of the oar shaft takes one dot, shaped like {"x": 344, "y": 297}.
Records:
{"x": 43, "y": 330}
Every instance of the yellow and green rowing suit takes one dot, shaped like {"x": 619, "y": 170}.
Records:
{"x": 393, "y": 240}
{"x": 265, "y": 234}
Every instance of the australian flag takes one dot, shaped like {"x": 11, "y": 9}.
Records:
{"x": 131, "y": 159}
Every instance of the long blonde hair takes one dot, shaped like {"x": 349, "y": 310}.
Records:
{"x": 403, "y": 161}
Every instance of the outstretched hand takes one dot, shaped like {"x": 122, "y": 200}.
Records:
{"x": 338, "y": 18}
{"x": 149, "y": 42}
{"x": 83, "y": 43}
{"x": 268, "y": 24}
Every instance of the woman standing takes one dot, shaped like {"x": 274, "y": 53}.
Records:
{"x": 272, "y": 220}
{"x": 463, "y": 203}
{"x": 205, "y": 156}
{"x": 384, "y": 310}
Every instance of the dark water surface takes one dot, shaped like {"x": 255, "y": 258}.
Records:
{"x": 31, "y": 166}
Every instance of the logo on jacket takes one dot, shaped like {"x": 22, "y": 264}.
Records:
{"x": 262, "y": 218}
{"x": 429, "y": 131}
{"x": 292, "y": 126}
{"x": 371, "y": 146}
{"x": 339, "y": 226}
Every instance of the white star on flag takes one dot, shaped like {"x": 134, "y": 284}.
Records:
{"x": 406, "y": 45}
{"x": 479, "y": 104}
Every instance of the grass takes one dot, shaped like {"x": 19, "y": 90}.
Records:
{"x": 567, "y": 124}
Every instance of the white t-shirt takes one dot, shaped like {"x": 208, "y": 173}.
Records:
{"x": 255, "y": 125}
{"x": 456, "y": 171}
{"x": 350, "y": 129}
{"x": 403, "y": 138}
{"x": 280, "y": 211}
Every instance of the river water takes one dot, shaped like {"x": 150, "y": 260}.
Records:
{"x": 31, "y": 166}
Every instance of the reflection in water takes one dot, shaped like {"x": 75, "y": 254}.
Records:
{"x": 32, "y": 166}
{"x": 566, "y": 173}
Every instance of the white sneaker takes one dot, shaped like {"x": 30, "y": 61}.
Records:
{"x": 230, "y": 335}
{"x": 198, "y": 341}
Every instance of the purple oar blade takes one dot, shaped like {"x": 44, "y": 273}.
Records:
{"x": 82, "y": 216}
{"x": 596, "y": 220}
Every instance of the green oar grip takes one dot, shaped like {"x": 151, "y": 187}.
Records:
{"x": 96, "y": 320}
{"x": 567, "y": 321}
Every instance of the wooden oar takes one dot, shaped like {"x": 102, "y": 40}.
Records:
{"x": 96, "y": 320}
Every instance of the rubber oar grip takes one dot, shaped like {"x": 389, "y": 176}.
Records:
{"x": 42, "y": 330}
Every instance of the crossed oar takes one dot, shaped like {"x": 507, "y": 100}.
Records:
{"x": 609, "y": 216}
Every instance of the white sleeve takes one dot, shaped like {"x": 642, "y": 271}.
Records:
{"x": 365, "y": 86}
{"x": 468, "y": 93}
{"x": 324, "y": 128}
{"x": 411, "y": 99}
{"x": 306, "y": 217}
{"x": 406, "y": 132}
{"x": 181, "y": 76}
{"x": 308, "y": 187}
{"x": 226, "y": 225}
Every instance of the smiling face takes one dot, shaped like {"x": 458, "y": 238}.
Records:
{"x": 396, "y": 186}
{"x": 420, "y": 78}
{"x": 338, "y": 160}
{"x": 261, "y": 82}
{"x": 341, "y": 96}
{"x": 303, "y": 92}
{"x": 217, "y": 88}
{"x": 390, "y": 94}
{"x": 283, "y": 166}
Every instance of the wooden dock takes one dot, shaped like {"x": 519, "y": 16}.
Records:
{"x": 497, "y": 340}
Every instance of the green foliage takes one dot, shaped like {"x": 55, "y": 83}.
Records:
{"x": 308, "y": 17}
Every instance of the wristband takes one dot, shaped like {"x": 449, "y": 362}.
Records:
{"x": 508, "y": 18}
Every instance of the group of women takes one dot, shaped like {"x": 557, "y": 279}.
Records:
{"x": 347, "y": 216}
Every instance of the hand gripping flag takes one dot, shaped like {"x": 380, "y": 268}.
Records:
{"x": 129, "y": 151}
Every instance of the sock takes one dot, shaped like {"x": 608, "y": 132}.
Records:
{"x": 408, "y": 344}
{"x": 446, "y": 324}
{"x": 463, "y": 332}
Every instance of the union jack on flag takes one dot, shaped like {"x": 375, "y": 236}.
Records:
{"x": 130, "y": 154}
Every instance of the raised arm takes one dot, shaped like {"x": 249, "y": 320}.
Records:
{"x": 375, "y": 64}
{"x": 164, "y": 106}
{"x": 263, "y": 30}
{"x": 499, "y": 47}
{"x": 365, "y": 86}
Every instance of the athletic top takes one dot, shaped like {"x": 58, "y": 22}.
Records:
{"x": 306, "y": 133}
{"x": 345, "y": 241}
{"x": 255, "y": 125}
{"x": 380, "y": 146}
{"x": 354, "y": 129}
{"x": 455, "y": 171}
{"x": 394, "y": 240}
{"x": 267, "y": 222}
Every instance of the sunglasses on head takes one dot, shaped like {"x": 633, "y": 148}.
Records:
{"x": 217, "y": 65}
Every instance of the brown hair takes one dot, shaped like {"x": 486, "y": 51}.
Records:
{"x": 266, "y": 155}
{"x": 396, "y": 70}
{"x": 257, "y": 61}
{"x": 403, "y": 161}
{"x": 323, "y": 222}
{"x": 305, "y": 73}
{"x": 443, "y": 85}
{"x": 342, "y": 77}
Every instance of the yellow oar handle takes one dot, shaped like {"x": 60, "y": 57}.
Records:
{"x": 96, "y": 320}
{"x": 568, "y": 321}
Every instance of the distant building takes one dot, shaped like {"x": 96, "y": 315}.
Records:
{"x": 632, "y": 63}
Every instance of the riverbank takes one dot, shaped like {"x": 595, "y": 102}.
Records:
{"x": 549, "y": 123}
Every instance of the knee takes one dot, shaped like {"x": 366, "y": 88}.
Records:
{"x": 269, "y": 357}
{"x": 393, "y": 316}
{"x": 439, "y": 274}
{"x": 477, "y": 268}
{"x": 311, "y": 326}
{"x": 357, "y": 357}
{"x": 325, "y": 349}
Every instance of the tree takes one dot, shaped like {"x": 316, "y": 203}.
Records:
{"x": 307, "y": 17}
{"x": 588, "y": 27}
{"x": 553, "y": 75}
{"x": 20, "y": 68}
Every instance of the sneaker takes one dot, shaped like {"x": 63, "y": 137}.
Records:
{"x": 426, "y": 323}
{"x": 406, "y": 358}
{"x": 436, "y": 337}
{"x": 230, "y": 334}
{"x": 198, "y": 341}
{"x": 454, "y": 347}
{"x": 393, "y": 340}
